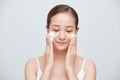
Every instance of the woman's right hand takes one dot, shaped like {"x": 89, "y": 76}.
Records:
{"x": 49, "y": 57}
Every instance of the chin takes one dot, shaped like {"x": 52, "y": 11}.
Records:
{"x": 61, "y": 48}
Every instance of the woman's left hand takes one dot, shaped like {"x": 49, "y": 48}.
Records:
{"x": 70, "y": 59}
{"x": 71, "y": 54}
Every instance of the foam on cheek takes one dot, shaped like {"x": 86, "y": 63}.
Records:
{"x": 72, "y": 36}
{"x": 51, "y": 35}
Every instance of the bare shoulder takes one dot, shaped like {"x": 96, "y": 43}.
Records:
{"x": 90, "y": 70}
{"x": 30, "y": 64}
{"x": 30, "y": 69}
{"x": 90, "y": 65}
{"x": 30, "y": 61}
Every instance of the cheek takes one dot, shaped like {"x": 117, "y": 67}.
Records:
{"x": 56, "y": 35}
{"x": 68, "y": 36}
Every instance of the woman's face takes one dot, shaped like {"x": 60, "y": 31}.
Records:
{"x": 62, "y": 25}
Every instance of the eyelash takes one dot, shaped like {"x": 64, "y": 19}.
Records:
{"x": 69, "y": 31}
{"x": 55, "y": 30}
{"x": 66, "y": 30}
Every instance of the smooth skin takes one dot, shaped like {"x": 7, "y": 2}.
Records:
{"x": 60, "y": 60}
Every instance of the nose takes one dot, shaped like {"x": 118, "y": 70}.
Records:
{"x": 62, "y": 35}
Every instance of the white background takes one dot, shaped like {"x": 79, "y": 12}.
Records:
{"x": 22, "y": 34}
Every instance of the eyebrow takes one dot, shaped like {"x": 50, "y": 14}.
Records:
{"x": 56, "y": 25}
{"x": 59, "y": 26}
{"x": 70, "y": 26}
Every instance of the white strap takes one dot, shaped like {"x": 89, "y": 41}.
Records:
{"x": 81, "y": 74}
{"x": 39, "y": 73}
{"x": 83, "y": 64}
{"x": 38, "y": 63}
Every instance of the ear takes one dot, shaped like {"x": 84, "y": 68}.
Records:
{"x": 77, "y": 30}
{"x": 47, "y": 29}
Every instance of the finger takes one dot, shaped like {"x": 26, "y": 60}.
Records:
{"x": 75, "y": 45}
{"x": 47, "y": 44}
{"x": 51, "y": 46}
{"x": 70, "y": 47}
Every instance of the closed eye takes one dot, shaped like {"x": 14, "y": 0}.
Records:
{"x": 69, "y": 30}
{"x": 55, "y": 30}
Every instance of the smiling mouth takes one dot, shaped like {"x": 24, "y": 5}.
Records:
{"x": 61, "y": 43}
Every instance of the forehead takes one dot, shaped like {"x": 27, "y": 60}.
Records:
{"x": 63, "y": 19}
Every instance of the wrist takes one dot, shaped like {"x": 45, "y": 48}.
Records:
{"x": 69, "y": 69}
{"x": 71, "y": 74}
{"x": 46, "y": 74}
{"x": 47, "y": 69}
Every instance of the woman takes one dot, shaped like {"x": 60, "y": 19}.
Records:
{"x": 60, "y": 60}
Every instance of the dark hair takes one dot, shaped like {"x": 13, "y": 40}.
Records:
{"x": 62, "y": 8}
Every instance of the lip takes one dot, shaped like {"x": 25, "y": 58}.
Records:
{"x": 60, "y": 43}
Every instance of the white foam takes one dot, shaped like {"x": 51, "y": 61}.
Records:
{"x": 51, "y": 35}
{"x": 73, "y": 35}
